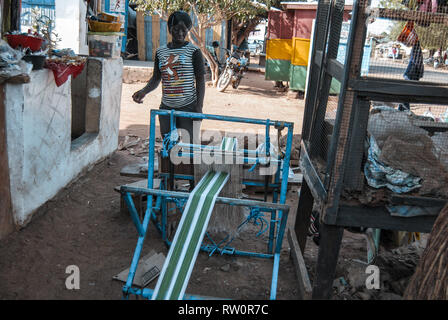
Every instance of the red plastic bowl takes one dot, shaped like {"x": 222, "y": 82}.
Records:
{"x": 17, "y": 40}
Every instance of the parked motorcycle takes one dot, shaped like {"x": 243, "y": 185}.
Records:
{"x": 236, "y": 65}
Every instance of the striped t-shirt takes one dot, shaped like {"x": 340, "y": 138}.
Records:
{"x": 177, "y": 67}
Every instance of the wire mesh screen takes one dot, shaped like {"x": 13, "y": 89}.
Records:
{"x": 322, "y": 17}
{"x": 319, "y": 37}
{"x": 407, "y": 40}
{"x": 406, "y": 152}
{"x": 325, "y": 108}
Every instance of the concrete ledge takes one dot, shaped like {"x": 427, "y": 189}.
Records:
{"x": 135, "y": 71}
{"x": 256, "y": 68}
{"x": 42, "y": 157}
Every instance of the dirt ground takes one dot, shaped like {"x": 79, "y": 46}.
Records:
{"x": 83, "y": 225}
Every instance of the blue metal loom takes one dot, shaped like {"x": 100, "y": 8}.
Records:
{"x": 158, "y": 198}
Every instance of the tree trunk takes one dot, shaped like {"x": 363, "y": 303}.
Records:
{"x": 200, "y": 43}
{"x": 212, "y": 63}
{"x": 241, "y": 30}
{"x": 430, "y": 280}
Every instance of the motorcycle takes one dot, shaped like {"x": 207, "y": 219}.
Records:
{"x": 212, "y": 50}
{"x": 236, "y": 65}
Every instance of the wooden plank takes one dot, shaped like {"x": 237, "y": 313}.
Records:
{"x": 169, "y": 37}
{"x": 143, "y": 183}
{"x": 379, "y": 217}
{"x": 148, "y": 39}
{"x": 163, "y": 32}
{"x": 417, "y": 201}
{"x": 217, "y": 32}
{"x": 303, "y": 214}
{"x": 311, "y": 176}
{"x": 410, "y": 15}
{"x": 307, "y": 6}
{"x": 223, "y": 41}
{"x": 409, "y": 90}
{"x": 305, "y": 289}
{"x": 353, "y": 177}
{"x": 335, "y": 69}
{"x": 6, "y": 217}
{"x": 431, "y": 126}
{"x": 209, "y": 36}
{"x": 155, "y": 34}
{"x": 99, "y": 5}
{"x": 141, "y": 36}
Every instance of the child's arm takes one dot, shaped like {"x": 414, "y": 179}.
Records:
{"x": 198, "y": 65}
{"x": 152, "y": 84}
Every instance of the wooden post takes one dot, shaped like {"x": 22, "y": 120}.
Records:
{"x": 6, "y": 217}
{"x": 330, "y": 242}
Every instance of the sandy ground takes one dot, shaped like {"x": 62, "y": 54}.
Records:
{"x": 83, "y": 224}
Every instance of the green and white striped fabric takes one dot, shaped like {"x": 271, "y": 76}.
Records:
{"x": 229, "y": 144}
{"x": 184, "y": 249}
{"x": 179, "y": 263}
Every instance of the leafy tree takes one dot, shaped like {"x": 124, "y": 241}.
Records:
{"x": 209, "y": 13}
{"x": 243, "y": 25}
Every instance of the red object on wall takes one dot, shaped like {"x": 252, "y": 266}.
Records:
{"x": 62, "y": 71}
{"x": 16, "y": 40}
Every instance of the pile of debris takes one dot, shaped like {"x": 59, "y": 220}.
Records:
{"x": 137, "y": 146}
{"x": 396, "y": 268}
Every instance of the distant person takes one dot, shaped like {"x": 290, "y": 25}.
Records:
{"x": 180, "y": 66}
{"x": 414, "y": 70}
{"x": 438, "y": 54}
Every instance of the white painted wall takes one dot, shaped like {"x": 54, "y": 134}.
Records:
{"x": 71, "y": 25}
{"x": 38, "y": 126}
